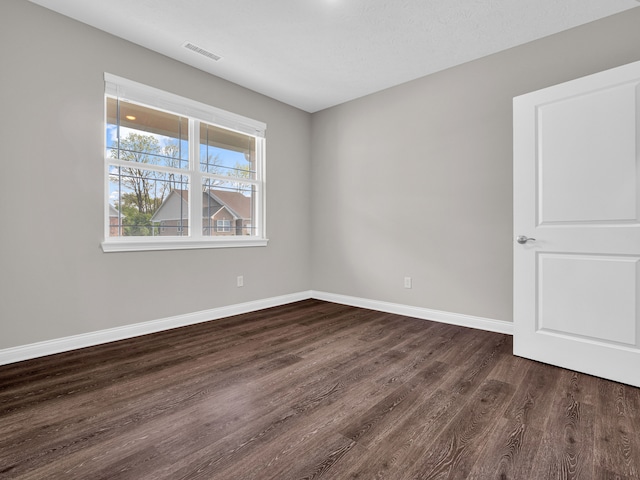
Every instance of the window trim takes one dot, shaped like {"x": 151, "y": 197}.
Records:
{"x": 135, "y": 92}
{"x": 138, "y": 244}
{"x": 128, "y": 90}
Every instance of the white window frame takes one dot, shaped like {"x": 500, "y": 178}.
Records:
{"x": 196, "y": 112}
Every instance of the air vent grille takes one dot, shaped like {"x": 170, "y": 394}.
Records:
{"x": 201, "y": 51}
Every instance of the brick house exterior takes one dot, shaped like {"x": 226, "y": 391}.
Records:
{"x": 224, "y": 213}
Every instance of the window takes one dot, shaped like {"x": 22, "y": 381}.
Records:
{"x": 179, "y": 173}
{"x": 223, "y": 225}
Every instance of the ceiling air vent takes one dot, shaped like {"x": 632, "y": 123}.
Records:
{"x": 202, "y": 51}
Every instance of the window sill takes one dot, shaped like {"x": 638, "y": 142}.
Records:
{"x": 142, "y": 244}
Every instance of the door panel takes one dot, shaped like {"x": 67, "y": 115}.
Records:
{"x": 576, "y": 196}
{"x": 588, "y": 288}
{"x": 587, "y": 157}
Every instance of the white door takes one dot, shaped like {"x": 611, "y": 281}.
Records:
{"x": 577, "y": 200}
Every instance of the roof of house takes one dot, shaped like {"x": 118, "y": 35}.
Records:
{"x": 113, "y": 212}
{"x": 236, "y": 202}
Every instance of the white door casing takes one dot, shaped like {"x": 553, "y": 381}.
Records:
{"x": 577, "y": 193}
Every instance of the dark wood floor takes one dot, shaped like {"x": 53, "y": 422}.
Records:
{"x": 313, "y": 390}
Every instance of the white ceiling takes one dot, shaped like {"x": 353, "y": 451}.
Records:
{"x": 314, "y": 54}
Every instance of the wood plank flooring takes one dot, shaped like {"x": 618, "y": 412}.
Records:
{"x": 313, "y": 390}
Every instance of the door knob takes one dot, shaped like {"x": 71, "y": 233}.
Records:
{"x": 522, "y": 239}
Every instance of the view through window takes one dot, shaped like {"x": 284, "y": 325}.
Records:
{"x": 175, "y": 175}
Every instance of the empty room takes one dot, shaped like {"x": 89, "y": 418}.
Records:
{"x": 300, "y": 239}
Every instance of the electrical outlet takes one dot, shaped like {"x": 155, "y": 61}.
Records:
{"x": 240, "y": 281}
{"x": 407, "y": 282}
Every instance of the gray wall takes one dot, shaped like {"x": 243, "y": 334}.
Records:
{"x": 414, "y": 180}
{"x": 417, "y": 180}
{"x": 54, "y": 279}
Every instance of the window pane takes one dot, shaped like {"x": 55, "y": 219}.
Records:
{"x": 228, "y": 208}
{"x": 145, "y": 135}
{"x": 224, "y": 152}
{"x": 146, "y": 203}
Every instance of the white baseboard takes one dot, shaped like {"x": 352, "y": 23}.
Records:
{"x": 480, "y": 323}
{"x": 58, "y": 345}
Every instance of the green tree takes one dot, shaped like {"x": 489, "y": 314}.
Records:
{"x": 135, "y": 223}
{"x": 140, "y": 150}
